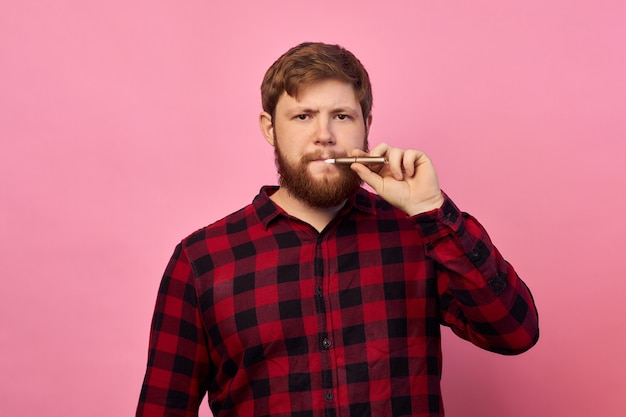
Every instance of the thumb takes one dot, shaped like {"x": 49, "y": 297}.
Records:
{"x": 368, "y": 176}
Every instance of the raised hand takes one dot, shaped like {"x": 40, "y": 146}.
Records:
{"x": 408, "y": 181}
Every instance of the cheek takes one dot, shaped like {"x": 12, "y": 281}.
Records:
{"x": 358, "y": 140}
{"x": 292, "y": 137}
{"x": 355, "y": 133}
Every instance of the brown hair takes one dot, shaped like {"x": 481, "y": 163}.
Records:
{"x": 311, "y": 62}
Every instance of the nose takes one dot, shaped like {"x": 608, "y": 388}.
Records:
{"x": 324, "y": 134}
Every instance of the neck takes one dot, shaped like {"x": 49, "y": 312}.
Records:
{"x": 315, "y": 216}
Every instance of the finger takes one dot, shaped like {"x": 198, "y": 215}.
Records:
{"x": 358, "y": 152}
{"x": 410, "y": 161}
{"x": 396, "y": 166}
{"x": 379, "y": 150}
{"x": 368, "y": 176}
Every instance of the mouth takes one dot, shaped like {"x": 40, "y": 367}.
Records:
{"x": 322, "y": 157}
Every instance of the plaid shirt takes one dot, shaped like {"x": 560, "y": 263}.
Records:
{"x": 272, "y": 318}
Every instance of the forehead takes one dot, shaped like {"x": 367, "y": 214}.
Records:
{"x": 322, "y": 93}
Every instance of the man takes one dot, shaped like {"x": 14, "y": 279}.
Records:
{"x": 320, "y": 298}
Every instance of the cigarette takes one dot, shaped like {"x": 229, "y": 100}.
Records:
{"x": 368, "y": 160}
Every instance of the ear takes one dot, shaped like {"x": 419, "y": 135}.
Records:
{"x": 267, "y": 128}
{"x": 368, "y": 122}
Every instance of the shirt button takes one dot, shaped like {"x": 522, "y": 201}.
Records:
{"x": 326, "y": 343}
{"x": 329, "y": 396}
{"x": 319, "y": 291}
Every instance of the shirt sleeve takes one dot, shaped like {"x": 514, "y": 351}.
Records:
{"x": 178, "y": 364}
{"x": 481, "y": 297}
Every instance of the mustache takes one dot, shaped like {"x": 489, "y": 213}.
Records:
{"x": 320, "y": 154}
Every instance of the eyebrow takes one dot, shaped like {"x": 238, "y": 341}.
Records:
{"x": 337, "y": 110}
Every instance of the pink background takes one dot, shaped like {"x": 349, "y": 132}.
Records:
{"x": 126, "y": 125}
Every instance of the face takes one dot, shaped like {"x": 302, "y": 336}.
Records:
{"x": 324, "y": 121}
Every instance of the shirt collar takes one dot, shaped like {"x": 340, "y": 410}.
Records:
{"x": 267, "y": 211}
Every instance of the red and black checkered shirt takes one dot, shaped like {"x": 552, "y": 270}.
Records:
{"x": 272, "y": 318}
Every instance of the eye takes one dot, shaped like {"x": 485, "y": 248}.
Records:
{"x": 343, "y": 117}
{"x": 302, "y": 116}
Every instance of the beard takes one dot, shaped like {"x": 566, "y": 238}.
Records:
{"x": 319, "y": 193}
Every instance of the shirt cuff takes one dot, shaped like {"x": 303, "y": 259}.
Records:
{"x": 439, "y": 222}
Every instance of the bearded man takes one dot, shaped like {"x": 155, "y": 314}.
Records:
{"x": 321, "y": 298}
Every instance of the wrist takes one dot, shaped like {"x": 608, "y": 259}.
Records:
{"x": 427, "y": 205}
